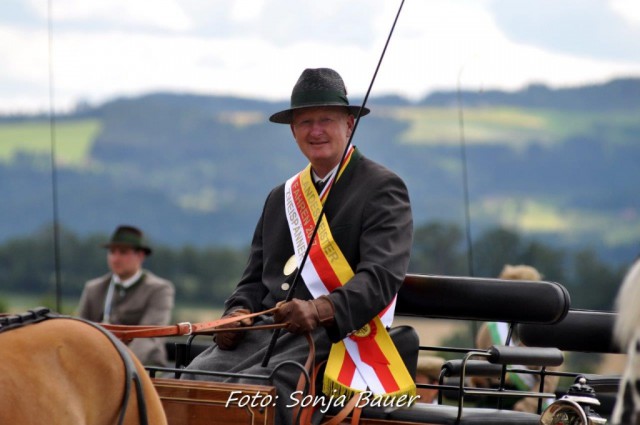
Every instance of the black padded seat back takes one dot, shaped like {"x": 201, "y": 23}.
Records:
{"x": 493, "y": 300}
{"x": 407, "y": 342}
{"x": 581, "y": 330}
{"x": 182, "y": 353}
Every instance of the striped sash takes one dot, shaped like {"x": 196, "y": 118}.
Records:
{"x": 366, "y": 359}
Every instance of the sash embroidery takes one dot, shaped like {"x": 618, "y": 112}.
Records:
{"x": 367, "y": 358}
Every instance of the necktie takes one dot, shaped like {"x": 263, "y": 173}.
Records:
{"x": 320, "y": 185}
{"x": 106, "y": 318}
{"x": 108, "y": 304}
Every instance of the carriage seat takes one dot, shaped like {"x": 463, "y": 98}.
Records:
{"x": 407, "y": 342}
{"x": 181, "y": 353}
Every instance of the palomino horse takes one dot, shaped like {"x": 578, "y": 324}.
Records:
{"x": 627, "y": 332}
{"x": 63, "y": 371}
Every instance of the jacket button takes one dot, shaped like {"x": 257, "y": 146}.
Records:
{"x": 285, "y": 286}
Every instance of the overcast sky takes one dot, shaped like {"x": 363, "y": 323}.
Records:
{"x": 257, "y": 48}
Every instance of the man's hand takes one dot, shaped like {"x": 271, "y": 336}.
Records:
{"x": 302, "y": 316}
{"x": 229, "y": 340}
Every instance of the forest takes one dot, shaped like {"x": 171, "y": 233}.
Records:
{"x": 205, "y": 276}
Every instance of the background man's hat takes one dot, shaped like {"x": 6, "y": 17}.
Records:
{"x": 128, "y": 236}
{"x": 317, "y": 87}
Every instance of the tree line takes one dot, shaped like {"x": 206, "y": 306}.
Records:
{"x": 206, "y": 276}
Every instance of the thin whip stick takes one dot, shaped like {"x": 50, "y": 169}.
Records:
{"x": 54, "y": 174}
{"x": 465, "y": 178}
{"x": 276, "y": 333}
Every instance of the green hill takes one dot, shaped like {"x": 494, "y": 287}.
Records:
{"x": 74, "y": 140}
{"x": 559, "y": 164}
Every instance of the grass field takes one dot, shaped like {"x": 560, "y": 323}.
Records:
{"x": 515, "y": 126}
{"x": 427, "y": 125}
{"x": 537, "y": 216}
{"x": 73, "y": 140}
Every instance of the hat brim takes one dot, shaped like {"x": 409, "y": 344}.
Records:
{"x": 286, "y": 116}
{"x": 145, "y": 249}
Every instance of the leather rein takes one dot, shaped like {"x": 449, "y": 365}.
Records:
{"x": 304, "y": 414}
{"x": 128, "y": 332}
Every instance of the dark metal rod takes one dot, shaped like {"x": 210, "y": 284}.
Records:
{"x": 465, "y": 179}
{"x": 276, "y": 333}
{"x": 54, "y": 174}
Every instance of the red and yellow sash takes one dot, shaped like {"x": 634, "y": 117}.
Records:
{"x": 367, "y": 358}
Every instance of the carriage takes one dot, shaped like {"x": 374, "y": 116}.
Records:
{"x": 539, "y": 312}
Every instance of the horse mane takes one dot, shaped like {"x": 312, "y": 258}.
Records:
{"x": 627, "y": 302}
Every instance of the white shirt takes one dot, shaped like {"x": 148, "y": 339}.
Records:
{"x": 326, "y": 178}
{"x": 124, "y": 284}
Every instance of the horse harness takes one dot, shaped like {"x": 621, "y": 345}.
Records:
{"x": 303, "y": 414}
{"x": 119, "y": 333}
{"x": 13, "y": 321}
{"x": 39, "y": 314}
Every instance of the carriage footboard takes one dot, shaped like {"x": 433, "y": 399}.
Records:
{"x": 197, "y": 402}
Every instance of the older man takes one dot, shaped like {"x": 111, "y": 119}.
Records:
{"x": 354, "y": 270}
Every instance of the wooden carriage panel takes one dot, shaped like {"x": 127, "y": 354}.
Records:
{"x": 203, "y": 403}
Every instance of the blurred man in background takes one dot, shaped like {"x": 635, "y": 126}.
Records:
{"x": 130, "y": 295}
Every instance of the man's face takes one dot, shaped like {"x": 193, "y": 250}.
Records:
{"x": 124, "y": 260}
{"x": 322, "y": 134}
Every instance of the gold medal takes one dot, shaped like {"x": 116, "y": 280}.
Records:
{"x": 290, "y": 266}
{"x": 368, "y": 331}
{"x": 363, "y": 332}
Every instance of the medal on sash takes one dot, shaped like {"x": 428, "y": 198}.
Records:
{"x": 290, "y": 266}
{"x": 367, "y": 358}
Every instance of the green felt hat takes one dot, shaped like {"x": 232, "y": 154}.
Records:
{"x": 128, "y": 236}
{"x": 317, "y": 87}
